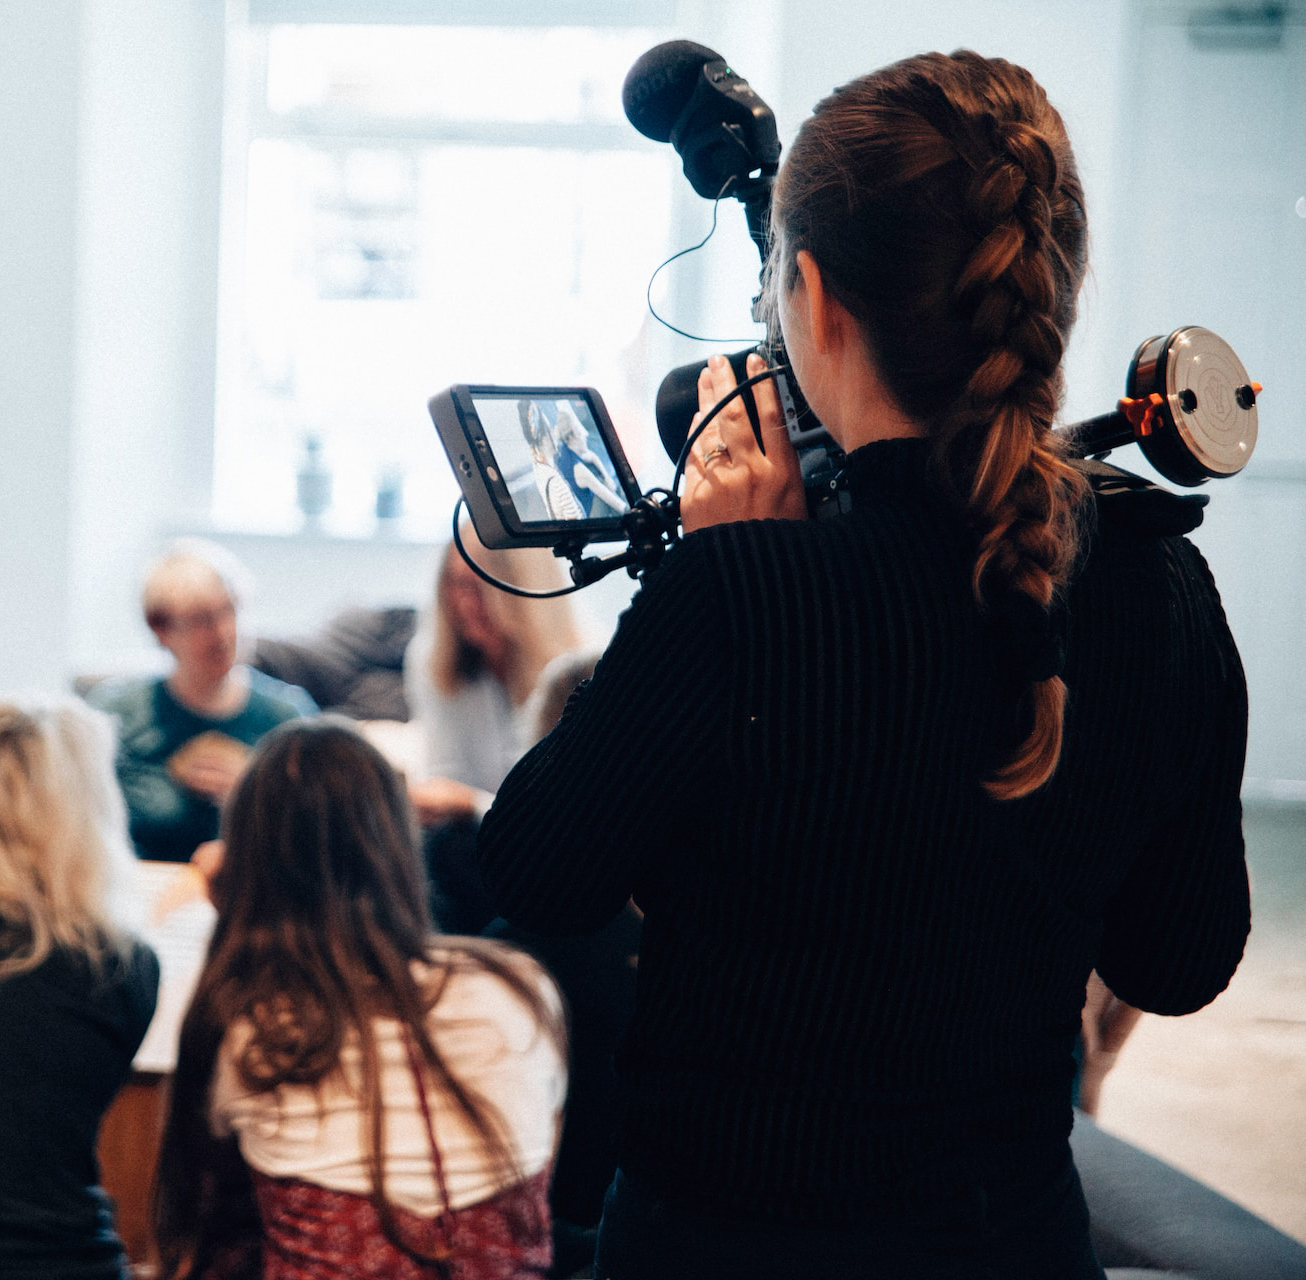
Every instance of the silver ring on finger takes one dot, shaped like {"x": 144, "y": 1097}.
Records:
{"x": 716, "y": 451}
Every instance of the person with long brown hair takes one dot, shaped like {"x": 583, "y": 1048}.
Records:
{"x": 353, "y": 1095}
{"x": 77, "y": 988}
{"x": 892, "y": 783}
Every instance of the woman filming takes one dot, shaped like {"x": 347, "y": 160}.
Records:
{"x": 353, "y": 1095}
{"x": 891, "y": 784}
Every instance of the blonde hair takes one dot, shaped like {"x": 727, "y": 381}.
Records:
{"x": 190, "y": 566}
{"x": 66, "y": 863}
{"x": 536, "y": 631}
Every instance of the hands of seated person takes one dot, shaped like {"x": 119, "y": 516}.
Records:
{"x": 207, "y": 859}
{"x": 440, "y": 800}
{"x": 728, "y": 477}
{"x": 193, "y": 884}
{"x": 209, "y": 765}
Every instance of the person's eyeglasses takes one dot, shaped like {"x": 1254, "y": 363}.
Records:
{"x": 183, "y": 624}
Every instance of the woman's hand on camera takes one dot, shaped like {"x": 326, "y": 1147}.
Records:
{"x": 728, "y": 477}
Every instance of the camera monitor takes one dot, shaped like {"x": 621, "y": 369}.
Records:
{"x": 538, "y": 466}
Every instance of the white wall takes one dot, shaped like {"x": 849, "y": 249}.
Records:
{"x": 110, "y": 120}
{"x": 111, "y": 127}
{"x": 1193, "y": 159}
{"x": 1211, "y": 236}
{"x": 39, "y": 121}
{"x": 151, "y": 92}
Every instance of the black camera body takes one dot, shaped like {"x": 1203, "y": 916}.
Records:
{"x": 818, "y": 455}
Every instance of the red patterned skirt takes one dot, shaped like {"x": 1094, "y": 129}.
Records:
{"x": 310, "y": 1233}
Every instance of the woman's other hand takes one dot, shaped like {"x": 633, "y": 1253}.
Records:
{"x": 728, "y": 477}
{"x": 1107, "y": 1022}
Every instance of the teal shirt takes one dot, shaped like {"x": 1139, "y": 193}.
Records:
{"x": 167, "y": 821}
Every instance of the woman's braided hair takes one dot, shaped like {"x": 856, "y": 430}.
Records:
{"x": 940, "y": 200}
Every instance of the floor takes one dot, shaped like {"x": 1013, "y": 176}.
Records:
{"x": 1222, "y": 1092}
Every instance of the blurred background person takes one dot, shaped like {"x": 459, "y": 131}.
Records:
{"x": 469, "y": 670}
{"x": 77, "y": 991}
{"x": 354, "y": 1095}
{"x": 1105, "y": 1024}
{"x": 184, "y": 738}
{"x": 472, "y": 664}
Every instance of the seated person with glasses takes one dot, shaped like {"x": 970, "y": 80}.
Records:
{"x": 184, "y": 738}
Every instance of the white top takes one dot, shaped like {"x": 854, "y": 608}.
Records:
{"x": 559, "y": 501}
{"x": 473, "y": 736}
{"x": 317, "y": 1133}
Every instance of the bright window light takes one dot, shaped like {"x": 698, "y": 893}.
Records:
{"x": 412, "y": 207}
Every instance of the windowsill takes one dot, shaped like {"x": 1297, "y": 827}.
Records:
{"x": 304, "y": 575}
{"x": 396, "y": 533}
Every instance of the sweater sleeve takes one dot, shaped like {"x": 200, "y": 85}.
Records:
{"x": 157, "y": 805}
{"x": 1176, "y": 928}
{"x": 581, "y": 821}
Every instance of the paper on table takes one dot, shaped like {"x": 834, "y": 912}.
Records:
{"x": 180, "y": 922}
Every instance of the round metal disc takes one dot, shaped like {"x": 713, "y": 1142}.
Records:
{"x": 1205, "y": 386}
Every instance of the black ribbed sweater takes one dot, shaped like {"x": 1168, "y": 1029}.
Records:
{"x": 860, "y": 978}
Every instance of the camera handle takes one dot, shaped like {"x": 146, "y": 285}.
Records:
{"x": 650, "y": 528}
{"x": 1190, "y": 406}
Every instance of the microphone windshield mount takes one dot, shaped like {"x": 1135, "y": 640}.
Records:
{"x": 687, "y": 94}
{"x": 660, "y": 84}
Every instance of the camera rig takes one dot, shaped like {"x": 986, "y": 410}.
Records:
{"x": 1189, "y": 404}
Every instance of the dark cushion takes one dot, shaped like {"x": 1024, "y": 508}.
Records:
{"x": 354, "y": 666}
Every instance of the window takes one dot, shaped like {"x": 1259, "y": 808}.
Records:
{"x": 412, "y": 206}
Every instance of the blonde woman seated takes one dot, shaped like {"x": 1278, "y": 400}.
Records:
{"x": 471, "y": 667}
{"x": 354, "y": 1096}
{"x": 76, "y": 991}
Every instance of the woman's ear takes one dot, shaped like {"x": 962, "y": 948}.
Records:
{"x": 829, "y": 321}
